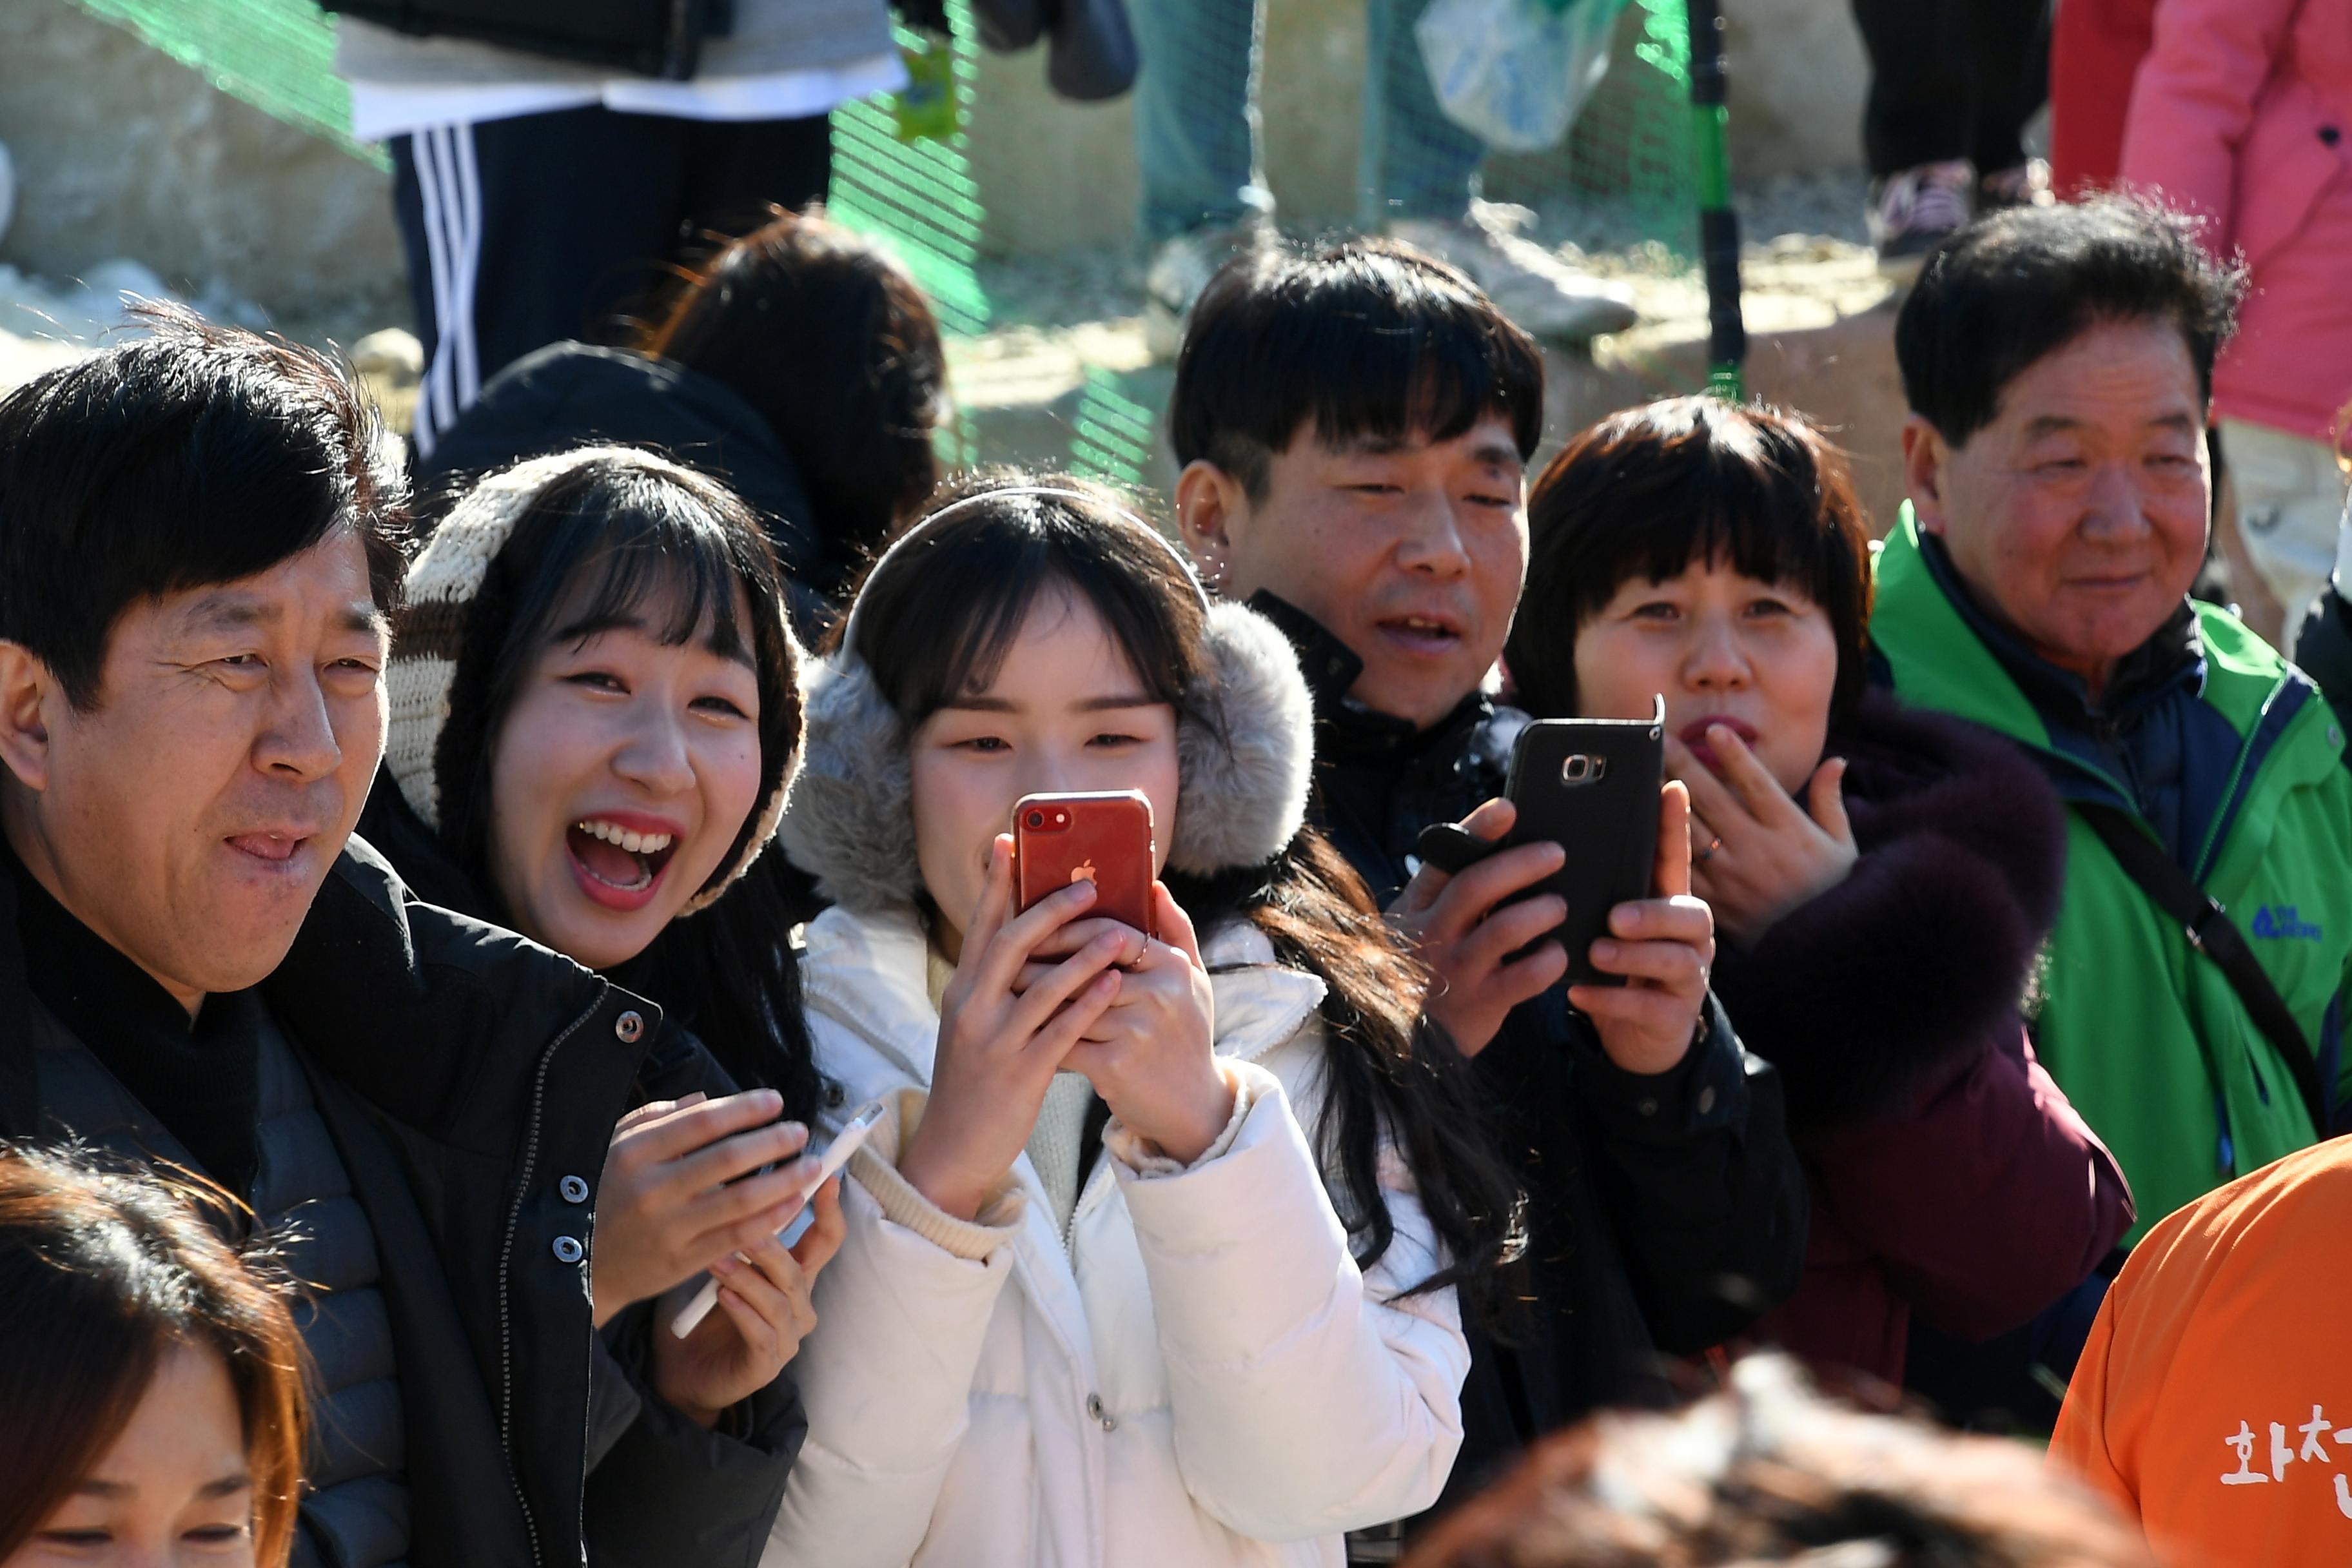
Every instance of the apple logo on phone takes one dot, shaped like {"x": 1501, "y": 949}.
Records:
{"x": 1083, "y": 871}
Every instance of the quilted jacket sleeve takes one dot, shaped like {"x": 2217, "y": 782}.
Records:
{"x": 1310, "y": 1398}
{"x": 910, "y": 1292}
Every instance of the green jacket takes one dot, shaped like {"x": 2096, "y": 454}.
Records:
{"x": 2143, "y": 1032}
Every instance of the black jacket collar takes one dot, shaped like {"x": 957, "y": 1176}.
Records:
{"x": 1349, "y": 732}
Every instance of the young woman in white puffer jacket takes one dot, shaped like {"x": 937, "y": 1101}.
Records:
{"x": 1156, "y": 1261}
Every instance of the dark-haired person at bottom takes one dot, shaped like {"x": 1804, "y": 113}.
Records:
{"x": 1354, "y": 425}
{"x": 199, "y": 555}
{"x": 1881, "y": 877}
{"x": 2059, "y": 365}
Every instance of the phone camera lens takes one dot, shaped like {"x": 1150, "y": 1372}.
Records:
{"x": 1036, "y": 819}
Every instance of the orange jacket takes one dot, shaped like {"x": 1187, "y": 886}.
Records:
{"x": 2214, "y": 1399}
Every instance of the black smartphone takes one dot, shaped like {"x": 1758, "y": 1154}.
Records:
{"x": 1592, "y": 787}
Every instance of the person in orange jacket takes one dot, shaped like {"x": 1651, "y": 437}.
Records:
{"x": 2214, "y": 1399}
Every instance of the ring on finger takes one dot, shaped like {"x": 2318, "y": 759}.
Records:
{"x": 1708, "y": 853}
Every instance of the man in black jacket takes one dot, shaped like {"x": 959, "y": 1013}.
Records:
{"x": 1354, "y": 427}
{"x": 198, "y": 552}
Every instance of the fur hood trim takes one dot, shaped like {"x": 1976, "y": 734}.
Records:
{"x": 1898, "y": 978}
{"x": 1243, "y": 766}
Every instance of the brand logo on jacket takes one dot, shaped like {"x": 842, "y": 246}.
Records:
{"x": 2281, "y": 921}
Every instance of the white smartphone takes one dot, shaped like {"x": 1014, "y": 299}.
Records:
{"x": 837, "y": 1154}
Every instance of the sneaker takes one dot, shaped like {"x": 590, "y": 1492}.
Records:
{"x": 1180, "y": 269}
{"x": 1914, "y": 212}
{"x": 7, "y": 190}
{"x": 2025, "y": 185}
{"x": 1526, "y": 282}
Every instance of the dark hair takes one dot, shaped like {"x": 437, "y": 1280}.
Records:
{"x": 1650, "y": 491}
{"x": 1365, "y": 338}
{"x": 832, "y": 340}
{"x": 195, "y": 455}
{"x": 1766, "y": 1471}
{"x": 2009, "y": 290}
{"x": 633, "y": 527}
{"x": 940, "y": 621}
{"x": 101, "y": 1274}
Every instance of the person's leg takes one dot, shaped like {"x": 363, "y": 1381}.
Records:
{"x": 1915, "y": 128}
{"x": 736, "y": 169}
{"x": 1917, "y": 109}
{"x": 520, "y": 232}
{"x": 1196, "y": 116}
{"x": 2290, "y": 504}
{"x": 1413, "y": 163}
{"x": 2095, "y": 48}
{"x": 2008, "y": 76}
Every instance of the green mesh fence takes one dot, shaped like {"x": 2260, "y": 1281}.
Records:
{"x": 1624, "y": 174}
{"x": 277, "y": 54}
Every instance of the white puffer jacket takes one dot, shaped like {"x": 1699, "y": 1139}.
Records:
{"x": 1201, "y": 1376}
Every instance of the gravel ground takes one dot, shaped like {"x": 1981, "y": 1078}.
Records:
{"x": 1105, "y": 282}
{"x": 1805, "y": 237}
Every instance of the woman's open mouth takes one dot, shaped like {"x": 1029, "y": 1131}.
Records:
{"x": 619, "y": 868}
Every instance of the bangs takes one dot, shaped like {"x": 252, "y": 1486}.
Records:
{"x": 1402, "y": 382}
{"x": 1749, "y": 498}
{"x": 646, "y": 552}
{"x": 1651, "y": 492}
{"x": 1357, "y": 340}
{"x": 938, "y": 626}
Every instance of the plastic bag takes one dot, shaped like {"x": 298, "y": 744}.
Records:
{"x": 1516, "y": 71}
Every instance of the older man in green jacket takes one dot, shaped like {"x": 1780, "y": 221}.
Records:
{"x": 2059, "y": 362}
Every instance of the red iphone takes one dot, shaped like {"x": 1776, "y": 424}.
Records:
{"x": 1104, "y": 839}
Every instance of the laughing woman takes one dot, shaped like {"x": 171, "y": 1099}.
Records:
{"x": 595, "y": 714}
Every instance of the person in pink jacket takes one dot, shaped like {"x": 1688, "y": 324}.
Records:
{"x": 2243, "y": 113}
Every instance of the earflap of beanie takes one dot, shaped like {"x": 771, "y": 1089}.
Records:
{"x": 850, "y": 819}
{"x": 430, "y": 630}
{"x": 774, "y": 804}
{"x": 1244, "y": 763}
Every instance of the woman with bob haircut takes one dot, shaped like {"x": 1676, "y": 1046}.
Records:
{"x": 151, "y": 1402}
{"x": 798, "y": 363}
{"x": 595, "y": 718}
{"x": 1881, "y": 877}
{"x": 1157, "y": 1257}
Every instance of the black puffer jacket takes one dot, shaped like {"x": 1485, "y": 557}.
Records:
{"x": 471, "y": 1081}
{"x": 1666, "y": 1213}
{"x": 575, "y": 395}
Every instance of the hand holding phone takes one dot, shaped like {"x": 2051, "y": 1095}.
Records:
{"x": 1662, "y": 949}
{"x": 685, "y": 1182}
{"x": 809, "y": 1175}
{"x": 1467, "y": 916}
{"x": 999, "y": 1044}
{"x": 1102, "y": 838}
{"x": 1152, "y": 1054}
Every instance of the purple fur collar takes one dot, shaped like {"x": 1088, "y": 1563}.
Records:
{"x": 1899, "y": 975}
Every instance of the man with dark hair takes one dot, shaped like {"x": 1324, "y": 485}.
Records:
{"x": 1354, "y": 425}
{"x": 199, "y": 552}
{"x": 2059, "y": 364}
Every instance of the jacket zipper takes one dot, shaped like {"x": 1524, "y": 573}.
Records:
{"x": 2241, "y": 776}
{"x": 506, "y": 1262}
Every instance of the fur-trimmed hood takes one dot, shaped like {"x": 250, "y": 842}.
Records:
{"x": 1899, "y": 976}
{"x": 1243, "y": 766}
